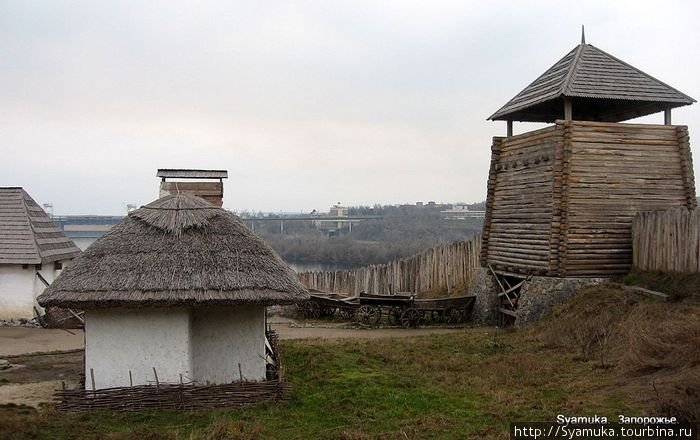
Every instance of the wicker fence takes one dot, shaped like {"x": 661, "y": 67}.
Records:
{"x": 181, "y": 396}
{"x": 667, "y": 241}
{"x": 440, "y": 268}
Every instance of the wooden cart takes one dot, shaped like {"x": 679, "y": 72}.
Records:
{"x": 408, "y": 311}
{"x": 402, "y": 309}
{"x": 328, "y": 304}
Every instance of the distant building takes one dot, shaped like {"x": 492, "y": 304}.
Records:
{"x": 461, "y": 212}
{"x": 32, "y": 253}
{"x": 338, "y": 211}
{"x": 337, "y": 222}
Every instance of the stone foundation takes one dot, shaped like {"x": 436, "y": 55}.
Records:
{"x": 539, "y": 294}
{"x": 485, "y": 288}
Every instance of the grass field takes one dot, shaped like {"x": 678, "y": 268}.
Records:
{"x": 466, "y": 385}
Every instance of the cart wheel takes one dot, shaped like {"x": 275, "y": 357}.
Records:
{"x": 369, "y": 315}
{"x": 311, "y": 310}
{"x": 410, "y": 318}
{"x": 438, "y": 315}
{"x": 306, "y": 309}
{"x": 395, "y": 316}
{"x": 348, "y": 314}
{"x": 327, "y": 311}
{"x": 453, "y": 316}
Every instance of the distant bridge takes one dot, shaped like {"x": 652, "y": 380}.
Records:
{"x": 322, "y": 222}
{"x": 86, "y": 226}
{"x": 94, "y": 226}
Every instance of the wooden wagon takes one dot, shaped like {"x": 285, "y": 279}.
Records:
{"x": 328, "y": 304}
{"x": 402, "y": 309}
{"x": 408, "y": 311}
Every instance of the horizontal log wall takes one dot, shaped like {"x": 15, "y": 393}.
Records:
{"x": 667, "y": 241}
{"x": 560, "y": 200}
{"x": 436, "y": 269}
{"x": 616, "y": 171}
{"x": 518, "y": 226}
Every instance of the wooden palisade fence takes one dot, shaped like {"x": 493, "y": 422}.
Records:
{"x": 439, "y": 268}
{"x": 667, "y": 241}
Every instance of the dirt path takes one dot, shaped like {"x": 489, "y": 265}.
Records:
{"x": 16, "y": 341}
{"x": 19, "y": 340}
{"x": 30, "y": 394}
{"x": 286, "y": 331}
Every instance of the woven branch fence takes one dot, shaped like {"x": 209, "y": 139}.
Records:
{"x": 440, "y": 268}
{"x": 171, "y": 396}
{"x": 667, "y": 241}
{"x": 182, "y": 396}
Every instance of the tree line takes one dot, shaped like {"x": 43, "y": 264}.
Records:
{"x": 402, "y": 230}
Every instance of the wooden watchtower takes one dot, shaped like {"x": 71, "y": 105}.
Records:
{"x": 561, "y": 199}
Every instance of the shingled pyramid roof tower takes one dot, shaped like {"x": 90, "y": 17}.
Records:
{"x": 27, "y": 233}
{"x": 602, "y": 88}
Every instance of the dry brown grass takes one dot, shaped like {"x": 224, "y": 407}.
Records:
{"x": 680, "y": 286}
{"x": 662, "y": 352}
{"x": 653, "y": 346}
{"x": 227, "y": 429}
{"x": 589, "y": 323}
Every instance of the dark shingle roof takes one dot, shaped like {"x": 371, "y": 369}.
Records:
{"x": 27, "y": 234}
{"x": 602, "y": 87}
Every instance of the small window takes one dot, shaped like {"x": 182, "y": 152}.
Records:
{"x": 37, "y": 266}
{"x": 57, "y": 265}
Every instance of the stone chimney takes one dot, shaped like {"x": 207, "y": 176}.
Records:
{"x": 207, "y": 184}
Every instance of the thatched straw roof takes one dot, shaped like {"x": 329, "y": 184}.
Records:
{"x": 176, "y": 251}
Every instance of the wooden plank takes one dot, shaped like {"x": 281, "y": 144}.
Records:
{"x": 508, "y": 312}
{"x": 646, "y": 292}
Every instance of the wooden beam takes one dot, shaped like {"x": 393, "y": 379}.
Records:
{"x": 568, "y": 111}
{"x": 508, "y": 312}
{"x": 667, "y": 116}
{"x": 506, "y": 292}
{"x": 509, "y": 128}
{"x": 646, "y": 292}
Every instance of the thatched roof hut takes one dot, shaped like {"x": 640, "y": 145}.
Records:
{"x": 176, "y": 251}
{"x": 176, "y": 291}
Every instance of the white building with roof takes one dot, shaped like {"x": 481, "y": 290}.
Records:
{"x": 176, "y": 292}
{"x": 32, "y": 253}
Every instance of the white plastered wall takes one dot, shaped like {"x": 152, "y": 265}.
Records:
{"x": 223, "y": 337}
{"x": 203, "y": 344}
{"x": 19, "y": 288}
{"x": 121, "y": 340}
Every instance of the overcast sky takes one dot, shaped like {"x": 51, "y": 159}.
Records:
{"x": 305, "y": 103}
